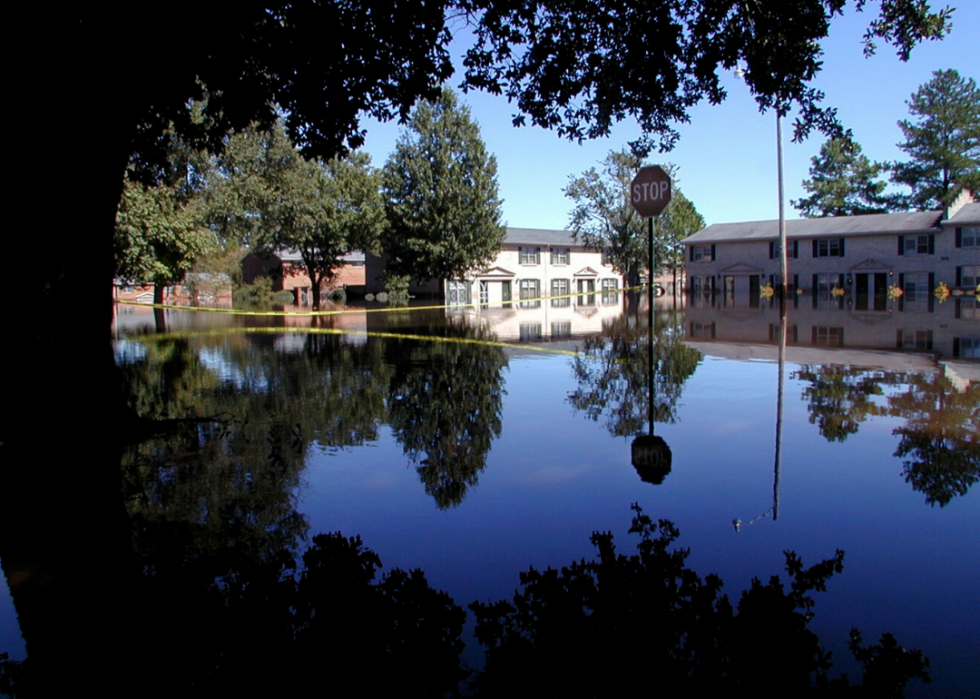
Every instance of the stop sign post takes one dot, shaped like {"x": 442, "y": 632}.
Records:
{"x": 650, "y": 191}
{"x": 649, "y": 194}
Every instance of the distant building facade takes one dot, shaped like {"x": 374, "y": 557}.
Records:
{"x": 860, "y": 261}
{"x": 288, "y": 273}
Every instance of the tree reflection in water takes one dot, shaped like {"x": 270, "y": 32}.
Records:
{"x": 940, "y": 440}
{"x": 445, "y": 406}
{"x": 613, "y": 376}
{"x": 220, "y": 596}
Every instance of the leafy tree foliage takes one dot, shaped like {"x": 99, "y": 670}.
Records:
{"x": 604, "y": 218}
{"x": 440, "y": 187}
{"x": 614, "y": 380}
{"x": 678, "y": 221}
{"x": 942, "y": 140}
{"x": 841, "y": 398}
{"x": 324, "y": 210}
{"x": 940, "y": 441}
{"x": 157, "y": 238}
{"x": 843, "y": 182}
{"x": 601, "y": 628}
{"x": 265, "y": 195}
{"x": 580, "y": 72}
{"x": 445, "y": 406}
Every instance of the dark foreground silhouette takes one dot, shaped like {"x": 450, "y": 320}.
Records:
{"x": 598, "y": 628}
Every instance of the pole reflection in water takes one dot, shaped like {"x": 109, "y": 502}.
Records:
{"x": 650, "y": 454}
{"x": 780, "y": 392}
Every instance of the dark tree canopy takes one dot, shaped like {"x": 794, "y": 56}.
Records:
{"x": 581, "y": 67}
{"x": 942, "y": 141}
{"x": 843, "y": 182}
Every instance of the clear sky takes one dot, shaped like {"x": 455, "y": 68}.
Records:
{"x": 727, "y": 153}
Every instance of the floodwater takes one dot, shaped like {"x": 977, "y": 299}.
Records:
{"x": 475, "y": 443}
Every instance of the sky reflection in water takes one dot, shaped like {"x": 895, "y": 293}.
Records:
{"x": 537, "y": 475}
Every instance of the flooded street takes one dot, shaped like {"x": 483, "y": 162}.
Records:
{"x": 475, "y": 443}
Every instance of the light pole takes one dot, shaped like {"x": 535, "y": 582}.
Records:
{"x": 783, "y": 253}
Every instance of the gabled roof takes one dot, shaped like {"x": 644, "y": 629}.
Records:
{"x": 968, "y": 214}
{"x": 539, "y": 236}
{"x": 828, "y": 227}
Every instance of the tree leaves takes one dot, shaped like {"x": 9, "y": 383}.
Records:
{"x": 440, "y": 187}
{"x": 942, "y": 140}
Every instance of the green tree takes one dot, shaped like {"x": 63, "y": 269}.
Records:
{"x": 157, "y": 238}
{"x": 605, "y": 220}
{"x": 942, "y": 140}
{"x": 678, "y": 221}
{"x": 325, "y": 210}
{"x": 843, "y": 182}
{"x": 440, "y": 188}
{"x": 603, "y": 216}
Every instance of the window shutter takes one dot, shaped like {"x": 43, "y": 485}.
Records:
{"x": 959, "y": 237}
{"x": 932, "y": 243}
{"x": 842, "y": 247}
{"x": 956, "y": 347}
{"x": 713, "y": 253}
{"x": 796, "y": 249}
{"x": 816, "y": 290}
{"x": 901, "y": 245}
{"x": 959, "y": 276}
{"x": 537, "y": 256}
{"x": 898, "y": 339}
{"x": 901, "y": 285}
{"x": 813, "y": 335}
{"x": 690, "y": 253}
{"x": 772, "y": 250}
{"x": 814, "y": 247}
{"x": 929, "y": 340}
{"x": 932, "y": 296}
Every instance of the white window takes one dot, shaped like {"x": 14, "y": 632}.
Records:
{"x": 530, "y": 332}
{"x": 702, "y": 284}
{"x": 457, "y": 293}
{"x": 916, "y": 287}
{"x": 530, "y": 289}
{"x": 918, "y": 340}
{"x": 561, "y": 329}
{"x": 559, "y": 256}
{"x": 828, "y": 336}
{"x": 529, "y": 256}
{"x": 484, "y": 292}
{"x": 560, "y": 287}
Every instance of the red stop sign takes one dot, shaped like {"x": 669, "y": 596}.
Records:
{"x": 650, "y": 191}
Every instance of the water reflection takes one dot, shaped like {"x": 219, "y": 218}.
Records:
{"x": 216, "y": 587}
{"x": 444, "y": 406}
{"x": 613, "y": 375}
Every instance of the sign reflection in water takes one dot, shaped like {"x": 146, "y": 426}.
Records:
{"x": 472, "y": 460}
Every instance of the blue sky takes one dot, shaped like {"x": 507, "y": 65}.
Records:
{"x": 727, "y": 153}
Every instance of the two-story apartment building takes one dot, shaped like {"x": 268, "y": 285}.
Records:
{"x": 533, "y": 264}
{"x": 860, "y": 258}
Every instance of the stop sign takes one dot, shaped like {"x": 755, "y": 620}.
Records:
{"x": 650, "y": 191}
